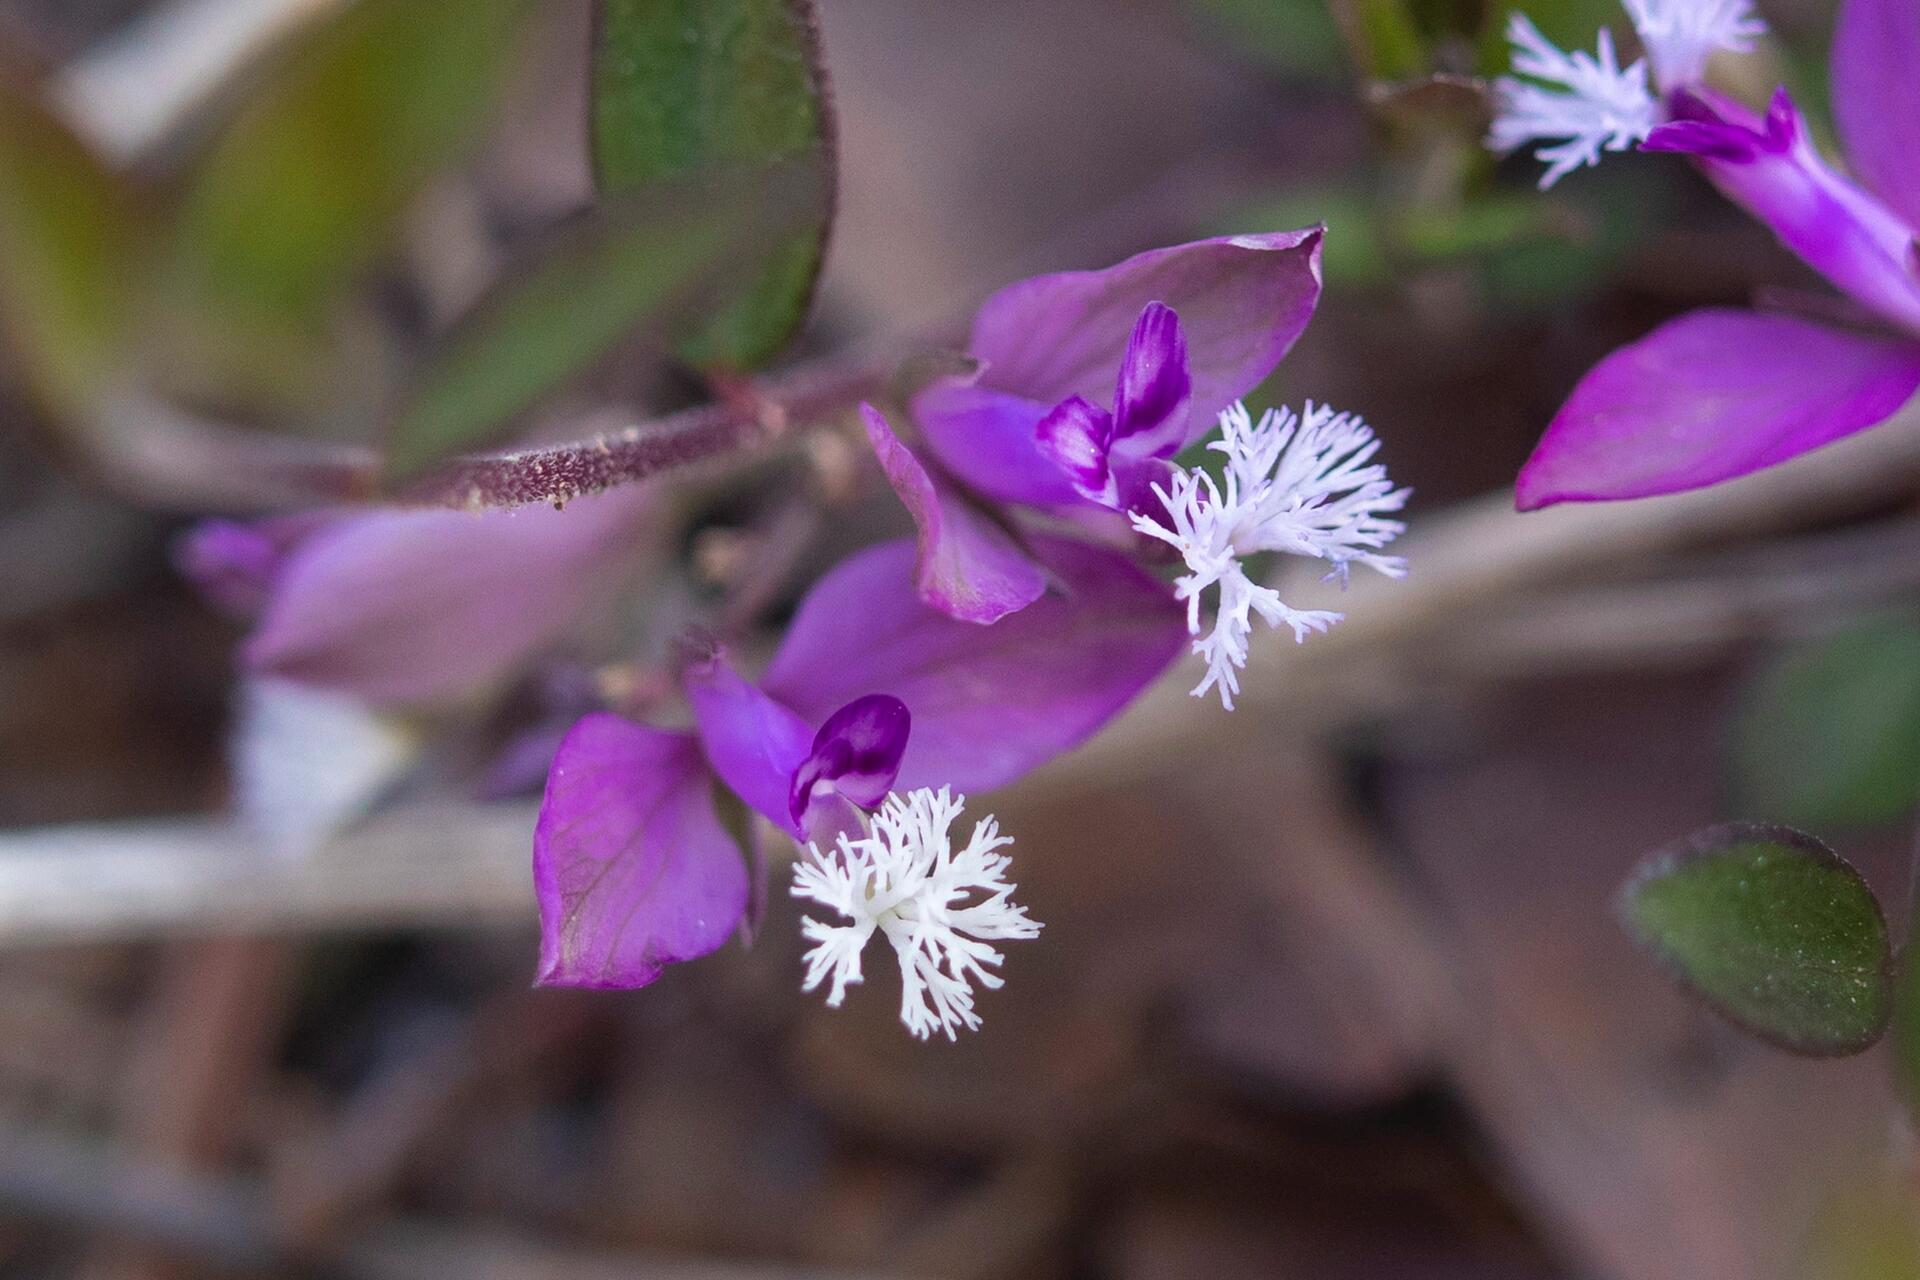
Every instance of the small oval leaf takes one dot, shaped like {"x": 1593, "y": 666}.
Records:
{"x": 1829, "y": 735}
{"x": 1773, "y": 930}
{"x": 682, "y": 86}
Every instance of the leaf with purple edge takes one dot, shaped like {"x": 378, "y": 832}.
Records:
{"x": 1773, "y": 931}
{"x": 683, "y": 86}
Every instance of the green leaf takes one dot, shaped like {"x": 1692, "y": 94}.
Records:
{"x": 1829, "y": 734}
{"x": 1295, "y": 37}
{"x": 1771, "y": 929}
{"x": 302, "y": 186}
{"x": 684, "y": 86}
{"x": 68, "y": 243}
{"x": 642, "y": 271}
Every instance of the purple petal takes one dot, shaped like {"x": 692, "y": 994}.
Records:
{"x": 1242, "y": 300}
{"x": 234, "y": 565}
{"x": 989, "y": 703}
{"x": 1713, "y": 395}
{"x": 1876, "y": 97}
{"x": 1151, "y": 399}
{"x": 631, "y": 866}
{"x": 1076, "y": 436}
{"x": 986, "y": 438}
{"x": 753, "y": 742}
{"x": 411, "y": 606}
{"x": 1771, "y": 168}
{"x": 968, "y": 565}
{"x": 856, "y": 755}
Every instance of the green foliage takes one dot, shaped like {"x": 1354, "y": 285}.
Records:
{"x": 1297, "y": 38}
{"x": 1829, "y": 734}
{"x": 304, "y": 183}
{"x": 685, "y": 86}
{"x": 1772, "y": 930}
{"x": 641, "y": 270}
{"x": 68, "y": 238}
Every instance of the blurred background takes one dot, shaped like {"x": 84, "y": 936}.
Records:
{"x": 1329, "y": 989}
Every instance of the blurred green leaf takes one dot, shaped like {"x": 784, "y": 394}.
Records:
{"x": 1386, "y": 36}
{"x": 1354, "y": 253}
{"x": 1829, "y": 734}
{"x": 303, "y": 184}
{"x": 1295, "y": 37}
{"x": 1905, "y": 1031}
{"x": 681, "y": 86}
{"x": 1479, "y": 224}
{"x": 1771, "y": 929}
{"x": 1571, "y": 24}
{"x": 1869, "y": 1231}
{"x": 68, "y": 241}
{"x": 643, "y": 269}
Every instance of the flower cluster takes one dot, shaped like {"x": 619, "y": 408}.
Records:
{"x": 1720, "y": 392}
{"x": 1044, "y": 485}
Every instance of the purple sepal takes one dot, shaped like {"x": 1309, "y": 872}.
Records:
{"x": 969, "y": 567}
{"x": 631, "y": 867}
{"x": 856, "y": 756}
{"x": 1770, "y": 168}
{"x": 1710, "y": 396}
{"x": 401, "y": 607}
{"x": 1242, "y": 302}
{"x": 1876, "y": 97}
{"x": 989, "y": 703}
{"x": 753, "y": 742}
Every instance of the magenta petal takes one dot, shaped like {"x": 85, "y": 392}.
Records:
{"x": 856, "y": 755}
{"x": 753, "y": 742}
{"x": 1713, "y": 395}
{"x": 969, "y": 567}
{"x": 631, "y": 866}
{"x": 1771, "y": 168}
{"x": 1242, "y": 302}
{"x": 1076, "y": 436}
{"x": 411, "y": 606}
{"x": 985, "y": 437}
{"x": 989, "y": 703}
{"x": 1876, "y": 97}
{"x": 234, "y": 565}
{"x": 1151, "y": 399}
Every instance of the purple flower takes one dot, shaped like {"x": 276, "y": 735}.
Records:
{"x": 872, "y": 693}
{"x": 1085, "y": 384}
{"x": 1719, "y": 393}
{"x": 406, "y": 607}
